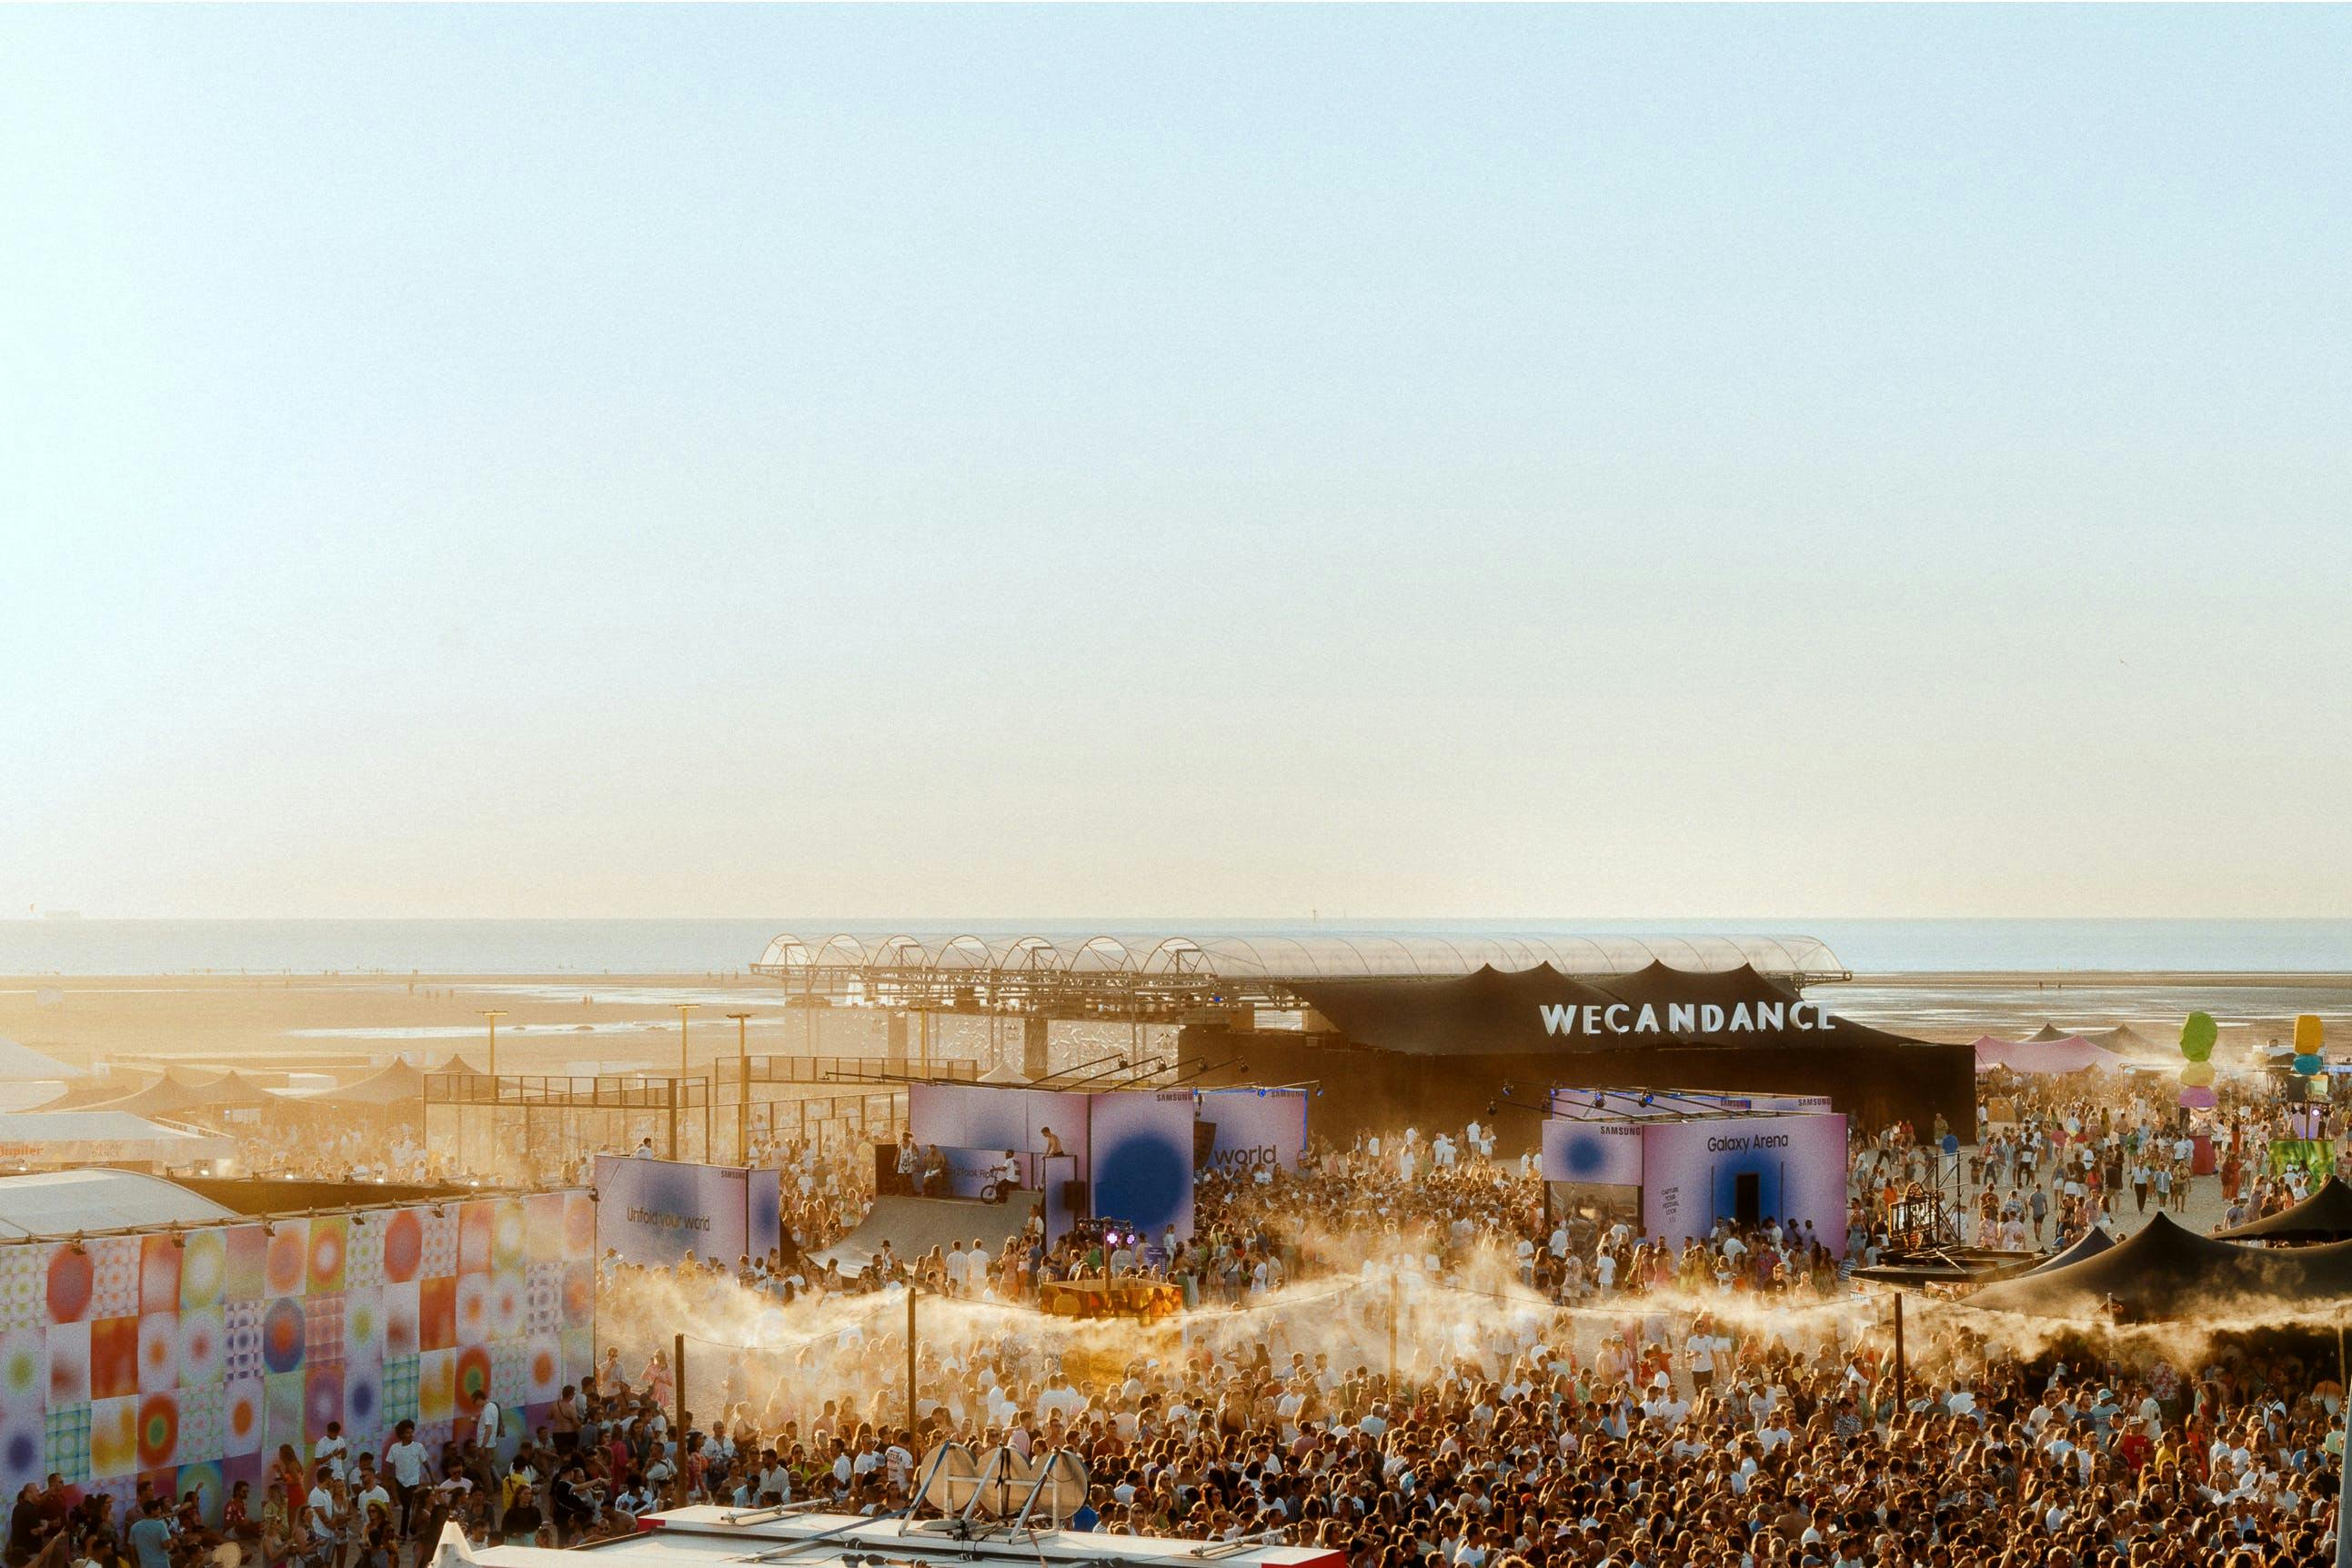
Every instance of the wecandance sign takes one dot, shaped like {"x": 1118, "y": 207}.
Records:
{"x": 1684, "y": 1019}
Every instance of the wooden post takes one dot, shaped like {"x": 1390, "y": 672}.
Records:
{"x": 911, "y": 1427}
{"x": 1900, "y": 1400}
{"x": 677, "y": 1466}
{"x": 2343, "y": 1511}
{"x": 1396, "y": 1288}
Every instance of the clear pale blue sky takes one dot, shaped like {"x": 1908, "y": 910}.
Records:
{"x": 1626, "y": 462}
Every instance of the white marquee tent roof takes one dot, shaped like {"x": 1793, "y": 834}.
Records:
{"x": 92, "y": 1135}
{"x": 22, "y": 1064}
{"x": 59, "y": 1203}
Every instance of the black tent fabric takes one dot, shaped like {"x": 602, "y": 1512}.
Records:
{"x": 397, "y": 1087}
{"x": 235, "y": 1092}
{"x": 1467, "y": 1017}
{"x": 2125, "y": 1041}
{"x": 2324, "y": 1215}
{"x": 93, "y": 1093}
{"x": 2090, "y": 1244}
{"x": 1429, "y": 1053}
{"x": 2048, "y": 1032}
{"x": 174, "y": 1095}
{"x": 1491, "y": 1011}
{"x": 2165, "y": 1271}
{"x": 167, "y": 1096}
{"x": 1422, "y": 1052}
{"x": 1662, "y": 986}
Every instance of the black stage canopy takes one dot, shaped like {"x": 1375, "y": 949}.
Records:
{"x": 2092, "y": 1243}
{"x": 2324, "y": 1215}
{"x": 1438, "y": 1052}
{"x": 2166, "y": 1271}
{"x": 1543, "y": 1010}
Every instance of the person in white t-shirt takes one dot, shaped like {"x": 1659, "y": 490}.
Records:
{"x": 332, "y": 1450}
{"x": 408, "y": 1462}
{"x": 324, "y": 1514}
{"x": 368, "y": 1489}
{"x": 1704, "y": 1347}
{"x": 489, "y": 1423}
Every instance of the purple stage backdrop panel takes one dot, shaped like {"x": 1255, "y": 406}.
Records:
{"x": 765, "y": 1194}
{"x": 1598, "y": 1153}
{"x": 998, "y": 1116}
{"x": 970, "y": 1171}
{"x": 656, "y": 1211}
{"x": 1254, "y": 1127}
{"x": 1142, "y": 1140}
{"x": 1694, "y": 1173}
{"x": 1056, "y": 1172}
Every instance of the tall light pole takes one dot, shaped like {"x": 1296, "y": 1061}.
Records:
{"x": 742, "y": 1087}
{"x": 491, "y": 1016}
{"x": 677, "y": 1086}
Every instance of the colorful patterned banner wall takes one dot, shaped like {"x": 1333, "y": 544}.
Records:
{"x": 189, "y": 1357}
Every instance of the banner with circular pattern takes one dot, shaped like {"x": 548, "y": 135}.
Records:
{"x": 185, "y": 1358}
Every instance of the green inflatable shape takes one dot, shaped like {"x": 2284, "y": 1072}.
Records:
{"x": 2197, "y": 1036}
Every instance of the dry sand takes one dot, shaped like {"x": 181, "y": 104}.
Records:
{"x": 222, "y": 1021}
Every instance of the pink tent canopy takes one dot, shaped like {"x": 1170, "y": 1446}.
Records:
{"x": 2072, "y": 1054}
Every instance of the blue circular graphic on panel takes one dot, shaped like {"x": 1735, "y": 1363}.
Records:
{"x": 1143, "y": 1181}
{"x": 1587, "y": 1154}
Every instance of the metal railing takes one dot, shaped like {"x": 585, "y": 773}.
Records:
{"x": 840, "y": 1069}
{"x": 565, "y": 1092}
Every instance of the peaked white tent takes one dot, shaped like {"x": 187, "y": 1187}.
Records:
{"x": 21, "y": 1063}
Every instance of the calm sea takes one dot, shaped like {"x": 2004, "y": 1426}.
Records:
{"x": 713, "y": 946}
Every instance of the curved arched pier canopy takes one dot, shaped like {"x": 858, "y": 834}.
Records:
{"x": 1132, "y": 972}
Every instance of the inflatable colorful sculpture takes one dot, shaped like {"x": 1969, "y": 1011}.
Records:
{"x": 2307, "y": 1041}
{"x": 2197, "y": 1033}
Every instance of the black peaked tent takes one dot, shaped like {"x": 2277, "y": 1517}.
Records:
{"x": 2324, "y": 1215}
{"x": 2165, "y": 1271}
{"x": 2125, "y": 1041}
{"x": 1660, "y": 985}
{"x": 1440, "y": 1052}
{"x": 398, "y": 1088}
{"x": 235, "y": 1092}
{"x": 1462, "y": 1017}
{"x": 2089, "y": 1245}
{"x": 170, "y": 1095}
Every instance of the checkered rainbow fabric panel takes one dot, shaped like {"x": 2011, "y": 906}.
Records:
{"x": 190, "y": 1358}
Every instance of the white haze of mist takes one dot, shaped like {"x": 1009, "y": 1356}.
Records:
{"x": 1643, "y": 462}
{"x": 852, "y": 1348}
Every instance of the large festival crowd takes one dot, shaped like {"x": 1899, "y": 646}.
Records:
{"x": 1563, "y": 1392}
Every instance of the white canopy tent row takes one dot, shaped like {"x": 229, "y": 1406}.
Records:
{"x": 67, "y": 1137}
